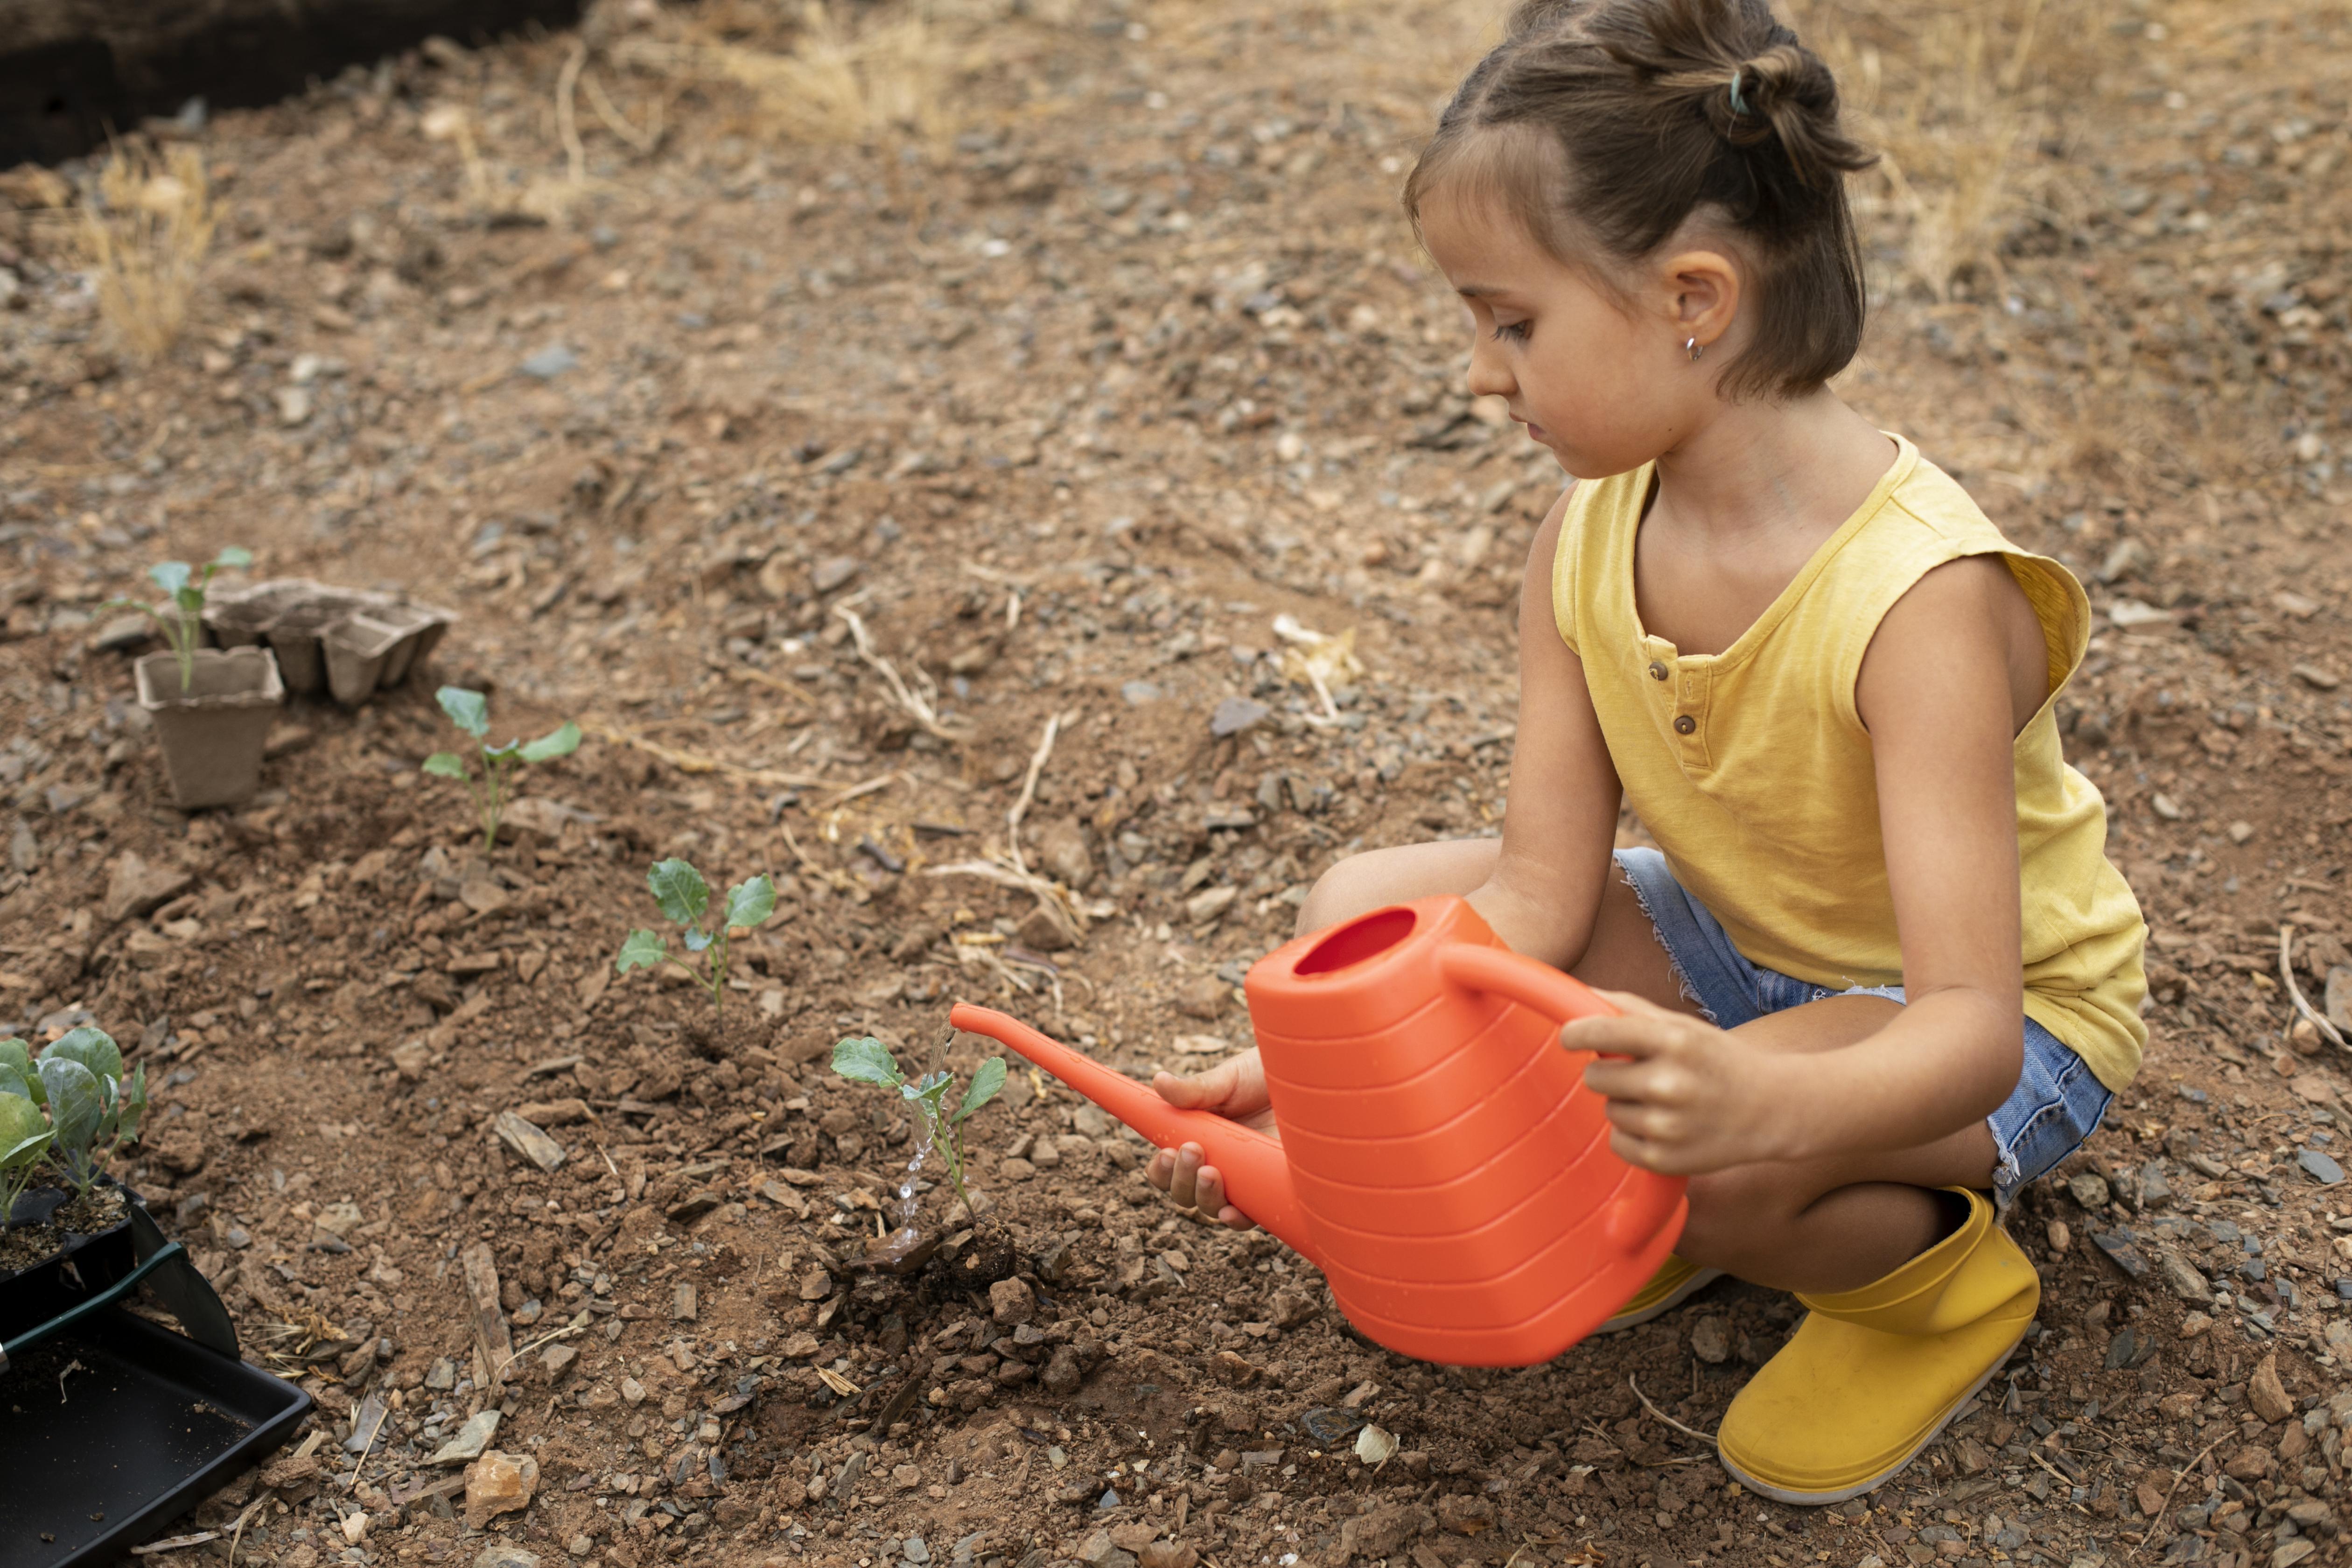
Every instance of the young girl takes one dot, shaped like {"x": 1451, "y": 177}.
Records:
{"x": 1879, "y": 973}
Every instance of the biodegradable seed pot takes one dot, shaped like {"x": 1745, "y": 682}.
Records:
{"x": 212, "y": 731}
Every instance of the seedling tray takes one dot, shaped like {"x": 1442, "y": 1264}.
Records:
{"x": 110, "y": 1426}
{"x": 103, "y": 1257}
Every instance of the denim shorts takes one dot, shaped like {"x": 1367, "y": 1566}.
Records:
{"x": 2058, "y": 1100}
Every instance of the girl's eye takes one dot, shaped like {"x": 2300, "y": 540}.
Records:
{"x": 1516, "y": 331}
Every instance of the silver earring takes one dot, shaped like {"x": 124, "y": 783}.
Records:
{"x": 1695, "y": 348}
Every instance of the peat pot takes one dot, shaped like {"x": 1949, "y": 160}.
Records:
{"x": 212, "y": 734}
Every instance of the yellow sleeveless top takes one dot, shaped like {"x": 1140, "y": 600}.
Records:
{"x": 1752, "y": 770}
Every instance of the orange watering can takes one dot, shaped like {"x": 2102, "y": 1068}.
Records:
{"x": 1440, "y": 1159}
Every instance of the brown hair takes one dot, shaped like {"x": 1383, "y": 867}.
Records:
{"x": 1606, "y": 124}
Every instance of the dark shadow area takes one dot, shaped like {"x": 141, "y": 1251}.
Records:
{"x": 70, "y": 69}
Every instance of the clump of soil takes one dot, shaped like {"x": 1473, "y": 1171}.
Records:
{"x": 989, "y": 1256}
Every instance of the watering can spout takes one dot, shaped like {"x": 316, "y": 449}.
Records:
{"x": 1257, "y": 1177}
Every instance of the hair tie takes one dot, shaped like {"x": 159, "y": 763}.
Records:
{"x": 1738, "y": 102}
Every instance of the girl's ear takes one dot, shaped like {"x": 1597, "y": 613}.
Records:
{"x": 1702, "y": 288}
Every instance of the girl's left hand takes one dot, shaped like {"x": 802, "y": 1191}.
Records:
{"x": 1684, "y": 1097}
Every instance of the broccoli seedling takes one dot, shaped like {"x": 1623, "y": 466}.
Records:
{"x": 180, "y": 617}
{"x": 862, "y": 1058}
{"x": 93, "y": 1111}
{"x": 470, "y": 712}
{"x": 25, "y": 1133}
{"x": 683, "y": 896}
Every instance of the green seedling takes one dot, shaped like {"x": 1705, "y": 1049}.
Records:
{"x": 93, "y": 1111}
{"x": 470, "y": 712}
{"x": 862, "y": 1058}
{"x": 24, "y": 1131}
{"x": 683, "y": 896}
{"x": 180, "y": 617}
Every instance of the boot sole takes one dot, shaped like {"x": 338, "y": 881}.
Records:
{"x": 1822, "y": 1500}
{"x": 1674, "y": 1298}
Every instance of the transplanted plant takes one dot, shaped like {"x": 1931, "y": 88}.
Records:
{"x": 684, "y": 897}
{"x": 864, "y": 1059}
{"x": 470, "y": 712}
{"x": 180, "y": 617}
{"x": 24, "y": 1131}
{"x": 92, "y": 1109}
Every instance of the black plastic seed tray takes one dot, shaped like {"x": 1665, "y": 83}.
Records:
{"x": 112, "y": 1425}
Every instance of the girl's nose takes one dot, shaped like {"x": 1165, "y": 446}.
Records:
{"x": 1489, "y": 376}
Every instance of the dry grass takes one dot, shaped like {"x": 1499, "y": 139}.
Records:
{"x": 1959, "y": 98}
{"x": 144, "y": 235}
{"x": 878, "y": 81}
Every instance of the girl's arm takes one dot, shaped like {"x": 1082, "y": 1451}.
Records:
{"x": 1559, "y": 821}
{"x": 1953, "y": 671}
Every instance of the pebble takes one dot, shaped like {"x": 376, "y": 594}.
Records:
{"x": 1711, "y": 1340}
{"x": 1139, "y": 692}
{"x": 1235, "y": 714}
{"x": 551, "y": 361}
{"x": 832, "y": 572}
{"x": 2319, "y": 1168}
{"x": 471, "y": 1439}
{"x": 2089, "y": 1189}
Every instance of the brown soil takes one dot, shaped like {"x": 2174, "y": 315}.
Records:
{"x": 1067, "y": 415}
{"x": 90, "y": 1212}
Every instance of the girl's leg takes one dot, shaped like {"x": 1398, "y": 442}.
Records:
{"x": 1624, "y": 953}
{"x": 1837, "y": 1224}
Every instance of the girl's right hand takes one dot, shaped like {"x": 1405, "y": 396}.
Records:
{"x": 1234, "y": 1089}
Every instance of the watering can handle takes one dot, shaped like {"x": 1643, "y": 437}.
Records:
{"x": 1648, "y": 1200}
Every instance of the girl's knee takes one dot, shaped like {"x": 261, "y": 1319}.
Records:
{"x": 1376, "y": 877}
{"x": 1737, "y": 1215}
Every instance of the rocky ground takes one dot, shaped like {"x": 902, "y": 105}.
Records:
{"x": 822, "y": 484}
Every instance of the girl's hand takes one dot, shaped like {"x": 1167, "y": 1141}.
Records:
{"x": 1684, "y": 1097}
{"x": 1234, "y": 1087}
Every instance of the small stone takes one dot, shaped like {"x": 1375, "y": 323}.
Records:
{"x": 906, "y": 1478}
{"x": 498, "y": 1483}
{"x": 2250, "y": 1463}
{"x": 500, "y": 1555}
{"x": 551, "y": 361}
{"x": 1235, "y": 714}
{"x": 2089, "y": 1189}
{"x": 410, "y": 1057}
{"x": 1139, "y": 692}
{"x": 557, "y": 1360}
{"x": 1204, "y": 998}
{"x": 528, "y": 1140}
{"x": 1012, "y": 1302}
{"x": 2319, "y": 1168}
{"x": 1382, "y": 1533}
{"x": 293, "y": 405}
{"x": 1711, "y": 1340}
{"x": 2194, "y": 1324}
{"x": 635, "y": 1391}
{"x": 2116, "y": 1246}
{"x": 2182, "y": 1279}
{"x": 1041, "y": 932}
{"x": 2294, "y": 1550}
{"x": 1062, "y": 851}
{"x": 122, "y": 634}
{"x": 832, "y": 572}
{"x": 2240, "y": 831}
{"x": 471, "y": 1439}
{"x": 1204, "y": 907}
{"x": 2059, "y": 1237}
{"x": 2266, "y": 1394}
{"x": 134, "y": 888}
{"x": 1062, "y": 1376}
{"x": 2320, "y": 679}
{"x": 2165, "y": 806}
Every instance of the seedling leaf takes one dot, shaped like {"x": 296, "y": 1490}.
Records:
{"x": 561, "y": 743}
{"x": 697, "y": 939}
{"x": 644, "y": 950}
{"x": 94, "y": 1049}
{"x": 865, "y": 1059}
{"x": 232, "y": 555}
{"x": 470, "y": 711}
{"x": 749, "y": 903}
{"x": 23, "y": 1133}
{"x": 75, "y": 1103}
{"x": 134, "y": 1104}
{"x": 446, "y": 765}
{"x": 17, "y": 1074}
{"x": 169, "y": 575}
{"x": 679, "y": 890}
{"x": 986, "y": 1081}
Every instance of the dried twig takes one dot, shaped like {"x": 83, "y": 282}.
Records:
{"x": 644, "y": 140}
{"x": 686, "y": 762}
{"x": 175, "y": 1543}
{"x": 918, "y": 706}
{"x": 1037, "y": 759}
{"x": 2179, "y": 1476}
{"x": 567, "y": 116}
{"x": 1662, "y": 1416}
{"x": 382, "y": 1414}
{"x": 237, "y": 1535}
{"x": 2327, "y": 1030}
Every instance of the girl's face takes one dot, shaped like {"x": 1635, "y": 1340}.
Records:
{"x": 1605, "y": 383}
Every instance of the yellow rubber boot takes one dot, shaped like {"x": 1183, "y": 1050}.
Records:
{"x": 1872, "y": 1375}
{"x": 1677, "y": 1281}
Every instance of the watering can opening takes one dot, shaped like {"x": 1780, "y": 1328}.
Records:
{"x": 1366, "y": 937}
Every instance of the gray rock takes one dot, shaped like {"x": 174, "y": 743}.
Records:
{"x": 471, "y": 1439}
{"x": 1711, "y": 1340}
{"x": 505, "y": 1554}
{"x": 122, "y": 634}
{"x": 1139, "y": 692}
{"x": 1235, "y": 714}
{"x": 2155, "y": 1190}
{"x": 914, "y": 1551}
{"x": 551, "y": 361}
{"x": 2319, "y": 1168}
{"x": 833, "y": 571}
{"x": 2117, "y": 1246}
{"x": 529, "y": 1141}
{"x": 2182, "y": 1279}
{"x": 2089, "y": 1189}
